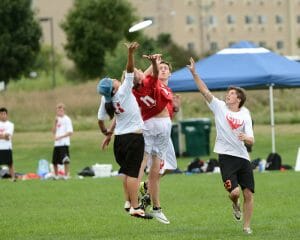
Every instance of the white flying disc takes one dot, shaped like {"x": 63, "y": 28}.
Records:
{"x": 140, "y": 25}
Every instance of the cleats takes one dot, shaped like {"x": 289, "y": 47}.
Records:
{"x": 127, "y": 206}
{"x": 142, "y": 189}
{"x": 159, "y": 216}
{"x": 140, "y": 213}
{"x": 247, "y": 230}
{"x": 145, "y": 201}
{"x": 236, "y": 210}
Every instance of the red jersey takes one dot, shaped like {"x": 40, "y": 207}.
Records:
{"x": 153, "y": 96}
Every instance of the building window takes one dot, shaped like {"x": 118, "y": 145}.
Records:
{"x": 230, "y": 19}
{"x": 278, "y": 19}
{"x": 214, "y": 46}
{"x": 191, "y": 46}
{"x": 248, "y": 19}
{"x": 262, "y": 44}
{"x": 212, "y": 20}
{"x": 190, "y": 20}
{"x": 298, "y": 19}
{"x": 262, "y": 19}
{"x": 279, "y": 45}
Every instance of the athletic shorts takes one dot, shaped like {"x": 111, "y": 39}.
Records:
{"x": 129, "y": 153}
{"x": 236, "y": 171}
{"x": 157, "y": 133}
{"x": 61, "y": 155}
{"x": 170, "y": 163}
{"x": 6, "y": 157}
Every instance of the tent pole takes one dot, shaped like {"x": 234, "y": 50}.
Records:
{"x": 272, "y": 117}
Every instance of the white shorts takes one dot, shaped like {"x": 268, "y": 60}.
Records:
{"x": 157, "y": 132}
{"x": 169, "y": 164}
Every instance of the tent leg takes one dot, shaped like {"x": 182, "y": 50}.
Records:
{"x": 272, "y": 117}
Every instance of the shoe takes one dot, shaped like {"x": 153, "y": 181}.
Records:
{"x": 127, "y": 206}
{"x": 237, "y": 211}
{"x": 158, "y": 214}
{"x": 142, "y": 189}
{"x": 145, "y": 201}
{"x": 140, "y": 213}
{"x": 247, "y": 230}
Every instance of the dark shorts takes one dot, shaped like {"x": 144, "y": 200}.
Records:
{"x": 61, "y": 155}
{"x": 6, "y": 157}
{"x": 236, "y": 171}
{"x": 129, "y": 153}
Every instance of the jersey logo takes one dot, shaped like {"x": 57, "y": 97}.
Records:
{"x": 148, "y": 101}
{"x": 118, "y": 108}
{"x": 234, "y": 123}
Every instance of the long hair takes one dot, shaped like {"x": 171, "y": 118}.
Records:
{"x": 110, "y": 109}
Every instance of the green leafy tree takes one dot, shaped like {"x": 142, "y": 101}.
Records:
{"x": 94, "y": 27}
{"x": 115, "y": 61}
{"x": 19, "y": 38}
{"x": 180, "y": 56}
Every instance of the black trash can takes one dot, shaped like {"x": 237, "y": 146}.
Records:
{"x": 197, "y": 136}
{"x": 175, "y": 138}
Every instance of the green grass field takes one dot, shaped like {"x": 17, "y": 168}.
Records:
{"x": 197, "y": 205}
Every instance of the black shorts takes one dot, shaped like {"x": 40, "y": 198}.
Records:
{"x": 6, "y": 157}
{"x": 236, "y": 171}
{"x": 129, "y": 153}
{"x": 61, "y": 155}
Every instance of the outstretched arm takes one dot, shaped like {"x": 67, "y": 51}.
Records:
{"x": 199, "y": 82}
{"x": 130, "y": 59}
{"x": 155, "y": 59}
{"x": 149, "y": 70}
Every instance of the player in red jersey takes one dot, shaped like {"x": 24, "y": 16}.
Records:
{"x": 153, "y": 97}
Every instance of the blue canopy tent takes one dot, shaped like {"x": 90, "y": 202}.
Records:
{"x": 245, "y": 65}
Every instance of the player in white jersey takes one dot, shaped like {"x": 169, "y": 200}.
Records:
{"x": 6, "y": 133}
{"x": 129, "y": 141}
{"x": 234, "y": 131}
{"x": 62, "y": 131}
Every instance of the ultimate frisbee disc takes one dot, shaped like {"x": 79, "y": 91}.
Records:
{"x": 140, "y": 25}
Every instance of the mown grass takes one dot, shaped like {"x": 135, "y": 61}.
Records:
{"x": 196, "y": 205}
{"x": 90, "y": 208}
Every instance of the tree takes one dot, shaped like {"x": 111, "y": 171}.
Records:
{"x": 94, "y": 27}
{"x": 19, "y": 38}
{"x": 180, "y": 56}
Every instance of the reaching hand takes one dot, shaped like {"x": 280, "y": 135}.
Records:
{"x": 132, "y": 46}
{"x": 105, "y": 142}
{"x": 191, "y": 67}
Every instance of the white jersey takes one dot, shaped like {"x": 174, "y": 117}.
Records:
{"x": 8, "y": 128}
{"x": 102, "y": 115}
{"x": 63, "y": 126}
{"x": 228, "y": 125}
{"x": 127, "y": 111}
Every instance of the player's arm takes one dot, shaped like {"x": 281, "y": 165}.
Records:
{"x": 5, "y": 136}
{"x": 130, "y": 60}
{"x": 199, "y": 82}
{"x": 246, "y": 139}
{"x": 109, "y": 134}
{"x": 176, "y": 103}
{"x": 149, "y": 70}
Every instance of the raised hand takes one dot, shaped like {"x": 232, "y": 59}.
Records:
{"x": 191, "y": 67}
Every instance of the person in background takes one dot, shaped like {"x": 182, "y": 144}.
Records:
{"x": 62, "y": 131}
{"x": 234, "y": 132}
{"x": 6, "y": 133}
